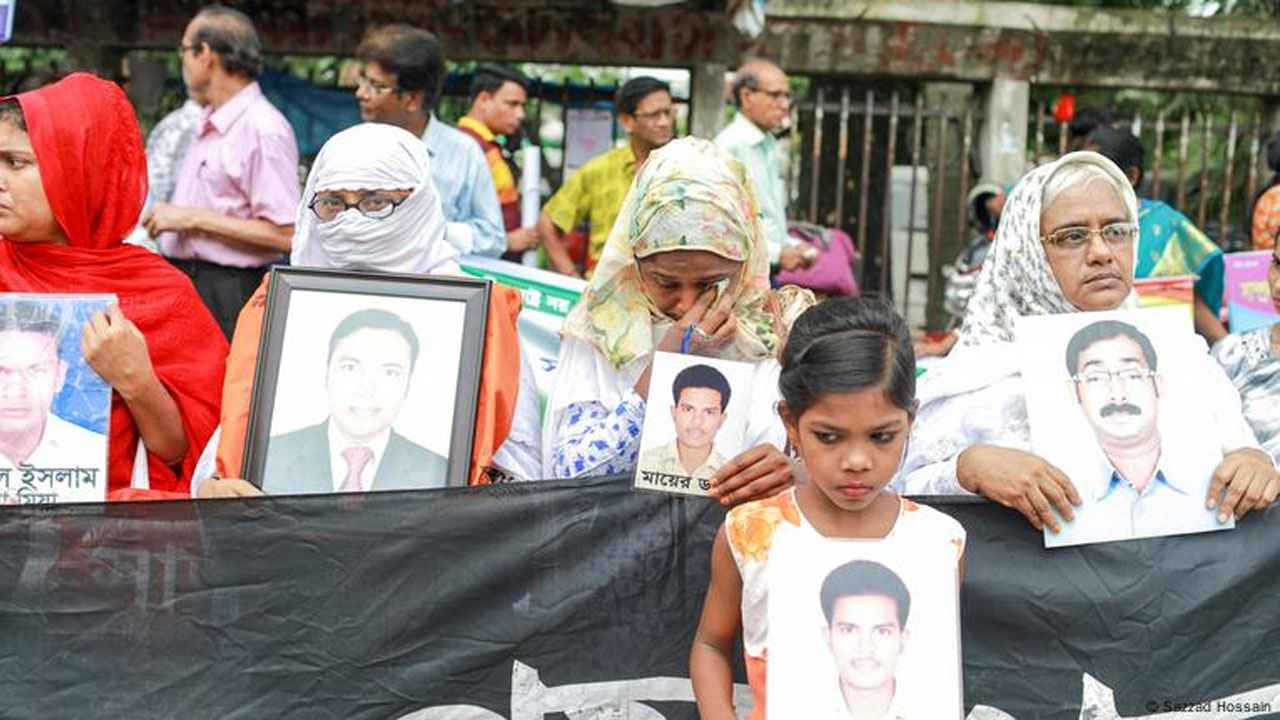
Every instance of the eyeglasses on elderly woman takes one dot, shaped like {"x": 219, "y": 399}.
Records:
{"x": 1073, "y": 238}
{"x": 373, "y": 204}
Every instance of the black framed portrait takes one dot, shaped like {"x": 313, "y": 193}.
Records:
{"x": 365, "y": 382}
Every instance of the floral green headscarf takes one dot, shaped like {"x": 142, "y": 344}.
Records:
{"x": 689, "y": 195}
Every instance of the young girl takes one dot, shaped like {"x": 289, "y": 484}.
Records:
{"x": 848, "y": 388}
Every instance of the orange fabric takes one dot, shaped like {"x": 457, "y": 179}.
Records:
{"x": 499, "y": 381}
{"x": 495, "y": 406}
{"x": 1266, "y": 219}
{"x": 504, "y": 180}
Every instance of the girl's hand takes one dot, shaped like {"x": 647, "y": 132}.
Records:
{"x": 1020, "y": 480}
{"x": 711, "y": 658}
{"x": 761, "y": 472}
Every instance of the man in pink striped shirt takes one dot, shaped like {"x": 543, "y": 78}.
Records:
{"x": 233, "y": 206}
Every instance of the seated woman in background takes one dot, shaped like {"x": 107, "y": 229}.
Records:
{"x": 971, "y": 434}
{"x": 1252, "y": 361}
{"x": 74, "y": 174}
{"x": 367, "y": 163}
{"x": 688, "y": 226}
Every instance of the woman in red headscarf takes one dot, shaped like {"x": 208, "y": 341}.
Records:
{"x": 73, "y": 178}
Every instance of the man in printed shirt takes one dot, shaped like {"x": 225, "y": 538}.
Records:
{"x": 866, "y": 606}
{"x": 232, "y": 209}
{"x": 400, "y": 84}
{"x": 1148, "y": 485}
{"x": 700, "y": 396}
{"x": 595, "y": 192}
{"x": 763, "y": 98}
{"x": 498, "y": 95}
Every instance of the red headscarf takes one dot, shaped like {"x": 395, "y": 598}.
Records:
{"x": 94, "y": 172}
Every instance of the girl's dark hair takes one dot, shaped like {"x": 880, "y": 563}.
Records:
{"x": 846, "y": 345}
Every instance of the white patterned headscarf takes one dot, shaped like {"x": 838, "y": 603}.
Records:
{"x": 1016, "y": 279}
{"x": 976, "y": 395}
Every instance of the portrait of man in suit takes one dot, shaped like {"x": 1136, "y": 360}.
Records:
{"x": 371, "y": 359}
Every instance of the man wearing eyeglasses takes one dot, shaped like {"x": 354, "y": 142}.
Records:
{"x": 1150, "y": 485}
{"x": 400, "y": 84}
{"x": 233, "y": 204}
{"x": 595, "y": 191}
{"x": 763, "y": 98}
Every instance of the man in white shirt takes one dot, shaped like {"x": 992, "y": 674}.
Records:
{"x": 372, "y": 354}
{"x": 1148, "y": 485}
{"x": 763, "y": 98}
{"x": 32, "y": 373}
{"x": 866, "y": 607}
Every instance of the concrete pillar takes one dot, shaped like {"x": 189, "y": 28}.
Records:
{"x": 944, "y": 184}
{"x": 706, "y": 99}
{"x": 1003, "y": 141}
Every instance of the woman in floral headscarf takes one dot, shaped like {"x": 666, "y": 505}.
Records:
{"x": 971, "y": 434}
{"x": 688, "y": 227}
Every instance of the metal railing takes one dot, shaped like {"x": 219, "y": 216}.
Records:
{"x": 931, "y": 146}
{"x": 1208, "y": 176}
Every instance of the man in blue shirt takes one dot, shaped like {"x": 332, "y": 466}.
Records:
{"x": 1149, "y": 484}
{"x": 400, "y": 83}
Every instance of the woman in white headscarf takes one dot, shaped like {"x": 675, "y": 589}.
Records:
{"x": 369, "y": 206}
{"x": 971, "y": 434}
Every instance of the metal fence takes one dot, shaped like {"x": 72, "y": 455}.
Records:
{"x": 892, "y": 172}
{"x": 1203, "y": 164}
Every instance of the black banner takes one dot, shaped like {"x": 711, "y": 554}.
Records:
{"x": 545, "y": 600}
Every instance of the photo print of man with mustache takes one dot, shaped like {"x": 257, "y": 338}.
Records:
{"x": 866, "y": 606}
{"x": 1149, "y": 482}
